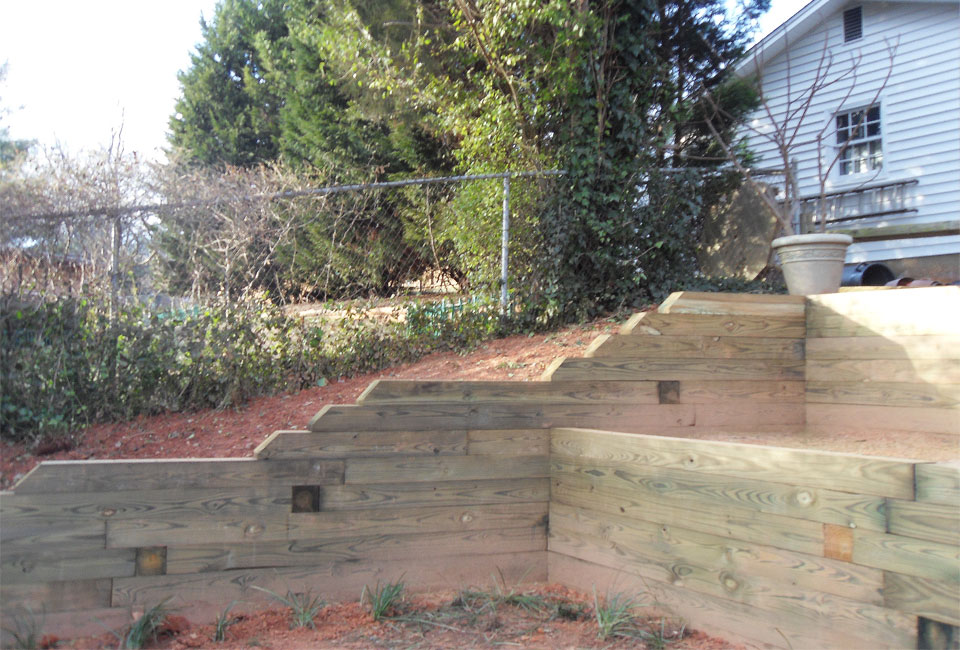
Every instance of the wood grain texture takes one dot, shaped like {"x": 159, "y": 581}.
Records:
{"x": 907, "y": 555}
{"x": 748, "y": 415}
{"x": 539, "y": 392}
{"x": 110, "y": 475}
{"x": 657, "y": 324}
{"x": 56, "y": 596}
{"x": 508, "y": 442}
{"x": 355, "y": 548}
{"x": 713, "y": 392}
{"x": 447, "y": 493}
{"x": 673, "y": 547}
{"x": 741, "y": 304}
{"x": 939, "y": 483}
{"x": 208, "y": 593}
{"x": 837, "y": 417}
{"x": 684, "y": 369}
{"x": 706, "y": 491}
{"x": 697, "y": 347}
{"x": 243, "y": 527}
{"x": 436, "y": 519}
{"x": 46, "y": 563}
{"x": 361, "y": 444}
{"x": 911, "y": 395}
{"x": 917, "y": 371}
{"x": 742, "y": 524}
{"x": 412, "y": 469}
{"x": 933, "y": 521}
{"x": 733, "y": 620}
{"x": 71, "y": 624}
{"x": 881, "y": 347}
{"x": 935, "y": 599}
{"x": 816, "y": 469}
{"x": 81, "y": 508}
{"x": 426, "y": 417}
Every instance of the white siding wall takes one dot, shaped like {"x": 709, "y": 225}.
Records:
{"x": 920, "y": 112}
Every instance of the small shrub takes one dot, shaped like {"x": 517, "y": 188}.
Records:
{"x": 303, "y": 606}
{"x": 382, "y": 599}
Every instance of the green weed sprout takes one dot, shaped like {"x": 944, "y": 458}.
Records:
{"x": 303, "y": 606}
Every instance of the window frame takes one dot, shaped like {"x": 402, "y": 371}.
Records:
{"x": 856, "y": 152}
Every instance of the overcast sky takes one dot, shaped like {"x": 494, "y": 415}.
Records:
{"x": 78, "y": 70}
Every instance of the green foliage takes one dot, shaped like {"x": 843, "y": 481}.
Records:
{"x": 383, "y": 599}
{"x": 227, "y": 113}
{"x": 224, "y": 621}
{"x": 27, "y": 630}
{"x": 303, "y": 606}
{"x": 615, "y": 615}
{"x": 145, "y": 629}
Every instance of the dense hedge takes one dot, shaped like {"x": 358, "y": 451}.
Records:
{"x": 66, "y": 363}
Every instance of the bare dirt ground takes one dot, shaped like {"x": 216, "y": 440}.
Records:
{"x": 545, "y": 616}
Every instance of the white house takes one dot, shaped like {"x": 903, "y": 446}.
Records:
{"x": 893, "y": 99}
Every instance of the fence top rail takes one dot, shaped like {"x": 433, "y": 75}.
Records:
{"x": 316, "y": 191}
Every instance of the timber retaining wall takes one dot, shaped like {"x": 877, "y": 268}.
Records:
{"x": 444, "y": 483}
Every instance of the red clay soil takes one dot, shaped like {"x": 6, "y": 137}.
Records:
{"x": 236, "y": 432}
{"x": 432, "y": 621}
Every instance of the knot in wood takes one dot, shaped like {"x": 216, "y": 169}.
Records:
{"x": 253, "y": 530}
{"x": 804, "y": 498}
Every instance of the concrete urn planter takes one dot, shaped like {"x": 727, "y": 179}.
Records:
{"x": 812, "y": 263}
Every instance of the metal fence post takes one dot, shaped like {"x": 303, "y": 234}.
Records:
{"x": 504, "y": 244}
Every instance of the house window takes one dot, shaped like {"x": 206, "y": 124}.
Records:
{"x": 860, "y": 147}
{"x": 852, "y": 24}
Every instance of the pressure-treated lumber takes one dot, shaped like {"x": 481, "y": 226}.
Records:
{"x": 447, "y": 493}
{"x": 695, "y": 347}
{"x": 939, "y": 483}
{"x": 833, "y": 417}
{"x": 206, "y": 592}
{"x": 707, "y": 391}
{"x": 943, "y": 371}
{"x": 933, "y": 521}
{"x": 911, "y": 395}
{"x": 908, "y": 555}
{"x": 108, "y": 475}
{"x": 385, "y": 548}
{"x": 508, "y": 442}
{"x": 51, "y": 563}
{"x": 742, "y": 524}
{"x": 935, "y": 599}
{"x": 670, "y": 369}
{"x": 410, "y": 520}
{"x": 58, "y": 596}
{"x": 692, "y": 302}
{"x": 197, "y": 530}
{"x": 932, "y": 311}
{"x": 880, "y": 347}
{"x": 738, "y": 621}
{"x": 656, "y": 324}
{"x": 659, "y": 484}
{"x": 697, "y": 573}
{"x": 415, "y": 469}
{"x": 823, "y": 469}
{"x": 538, "y": 392}
{"x": 440, "y": 416}
{"x": 360, "y": 444}
{"x": 667, "y": 546}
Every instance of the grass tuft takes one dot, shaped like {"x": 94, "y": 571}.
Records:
{"x": 27, "y": 629}
{"x": 224, "y": 621}
{"x": 303, "y": 606}
{"x": 383, "y": 598}
{"x": 615, "y": 615}
{"x": 145, "y": 629}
